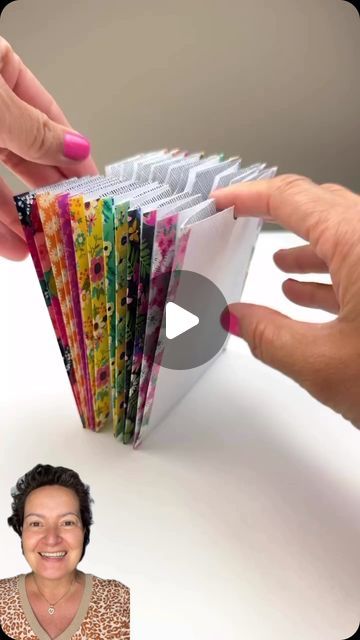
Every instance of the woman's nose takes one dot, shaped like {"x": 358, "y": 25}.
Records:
{"x": 52, "y": 535}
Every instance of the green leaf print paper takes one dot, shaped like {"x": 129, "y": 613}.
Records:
{"x": 133, "y": 270}
{"x": 107, "y": 209}
{"x": 121, "y": 239}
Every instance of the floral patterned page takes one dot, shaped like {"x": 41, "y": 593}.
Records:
{"x": 162, "y": 260}
{"x": 146, "y": 249}
{"x": 51, "y": 224}
{"x": 30, "y": 220}
{"x": 79, "y": 232}
{"x": 133, "y": 268}
{"x": 65, "y": 222}
{"x": 121, "y": 239}
{"x": 93, "y": 215}
{"x": 180, "y": 251}
{"x": 107, "y": 211}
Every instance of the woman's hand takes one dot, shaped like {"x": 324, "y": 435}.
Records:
{"x": 324, "y": 358}
{"x": 36, "y": 143}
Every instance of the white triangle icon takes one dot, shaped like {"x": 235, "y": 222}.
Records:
{"x": 178, "y": 320}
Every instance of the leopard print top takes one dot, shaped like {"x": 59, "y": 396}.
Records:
{"x": 104, "y": 613}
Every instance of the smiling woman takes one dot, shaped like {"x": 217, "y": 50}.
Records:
{"x": 51, "y": 512}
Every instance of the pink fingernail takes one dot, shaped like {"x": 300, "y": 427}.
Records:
{"x": 76, "y": 146}
{"x": 230, "y": 322}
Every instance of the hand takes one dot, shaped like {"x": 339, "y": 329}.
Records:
{"x": 36, "y": 143}
{"x": 323, "y": 358}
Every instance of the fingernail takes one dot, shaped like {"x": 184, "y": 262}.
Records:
{"x": 230, "y": 322}
{"x": 76, "y": 146}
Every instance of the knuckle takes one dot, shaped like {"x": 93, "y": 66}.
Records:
{"x": 329, "y": 240}
{"x": 290, "y": 183}
{"x": 332, "y": 187}
{"x": 289, "y": 187}
{"x": 334, "y": 237}
{"x": 40, "y": 135}
{"x": 5, "y": 51}
{"x": 262, "y": 335}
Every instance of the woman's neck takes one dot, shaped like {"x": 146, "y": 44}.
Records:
{"x": 52, "y": 590}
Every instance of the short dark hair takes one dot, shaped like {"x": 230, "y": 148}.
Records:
{"x": 43, "y": 475}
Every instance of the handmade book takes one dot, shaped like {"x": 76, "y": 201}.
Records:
{"x": 110, "y": 253}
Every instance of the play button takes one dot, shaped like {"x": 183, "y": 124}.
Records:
{"x": 191, "y": 329}
{"x": 178, "y": 320}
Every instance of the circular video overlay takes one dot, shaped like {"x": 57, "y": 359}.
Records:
{"x": 191, "y": 323}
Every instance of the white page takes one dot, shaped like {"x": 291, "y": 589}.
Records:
{"x": 268, "y": 173}
{"x": 205, "y": 177}
{"x": 248, "y": 173}
{"x": 186, "y": 170}
{"x": 193, "y": 173}
{"x": 219, "y": 248}
{"x": 144, "y": 162}
{"x": 151, "y": 198}
{"x": 177, "y": 207}
{"x": 224, "y": 179}
{"x": 160, "y": 169}
{"x": 173, "y": 176}
{"x": 144, "y": 189}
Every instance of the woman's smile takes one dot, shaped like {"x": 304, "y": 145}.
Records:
{"x": 52, "y": 555}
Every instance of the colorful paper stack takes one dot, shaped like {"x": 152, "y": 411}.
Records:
{"x": 108, "y": 251}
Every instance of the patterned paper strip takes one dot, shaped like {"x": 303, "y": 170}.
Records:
{"x": 163, "y": 255}
{"x": 146, "y": 250}
{"x": 108, "y": 214}
{"x": 79, "y": 231}
{"x": 121, "y": 237}
{"x": 133, "y": 269}
{"x": 29, "y": 217}
{"x": 51, "y": 224}
{"x": 62, "y": 202}
{"x": 181, "y": 247}
{"x": 93, "y": 214}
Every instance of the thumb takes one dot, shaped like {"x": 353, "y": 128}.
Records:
{"x": 280, "y": 342}
{"x": 30, "y": 134}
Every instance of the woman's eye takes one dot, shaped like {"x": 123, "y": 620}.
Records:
{"x": 35, "y": 524}
{"x": 69, "y": 523}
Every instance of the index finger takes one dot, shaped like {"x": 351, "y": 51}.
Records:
{"x": 294, "y": 201}
{"x": 28, "y": 88}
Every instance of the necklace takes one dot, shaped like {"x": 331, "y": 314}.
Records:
{"x": 51, "y": 608}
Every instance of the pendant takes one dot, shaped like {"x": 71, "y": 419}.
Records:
{"x": 51, "y": 611}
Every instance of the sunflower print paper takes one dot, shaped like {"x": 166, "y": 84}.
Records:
{"x": 96, "y": 261}
{"x": 79, "y": 232}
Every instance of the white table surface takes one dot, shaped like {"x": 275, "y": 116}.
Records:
{"x": 238, "y": 517}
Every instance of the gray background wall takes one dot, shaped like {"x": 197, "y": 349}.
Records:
{"x": 275, "y": 81}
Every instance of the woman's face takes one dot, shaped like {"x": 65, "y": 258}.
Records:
{"x": 53, "y": 534}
